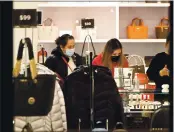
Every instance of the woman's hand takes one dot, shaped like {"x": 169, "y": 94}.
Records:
{"x": 164, "y": 71}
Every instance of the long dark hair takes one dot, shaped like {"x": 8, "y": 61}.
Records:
{"x": 63, "y": 40}
{"x": 110, "y": 46}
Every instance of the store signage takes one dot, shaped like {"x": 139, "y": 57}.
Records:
{"x": 25, "y": 17}
{"x": 87, "y": 23}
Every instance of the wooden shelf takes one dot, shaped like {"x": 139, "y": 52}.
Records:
{"x": 121, "y": 40}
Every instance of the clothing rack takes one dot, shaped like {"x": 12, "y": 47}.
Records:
{"x": 89, "y": 58}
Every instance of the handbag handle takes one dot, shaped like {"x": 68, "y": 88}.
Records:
{"x": 85, "y": 43}
{"x": 162, "y": 21}
{"x": 17, "y": 68}
{"x": 134, "y": 22}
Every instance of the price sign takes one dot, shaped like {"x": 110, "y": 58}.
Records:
{"x": 25, "y": 17}
{"x": 87, "y": 23}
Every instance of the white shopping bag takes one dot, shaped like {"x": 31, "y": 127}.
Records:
{"x": 82, "y": 33}
{"x": 48, "y": 32}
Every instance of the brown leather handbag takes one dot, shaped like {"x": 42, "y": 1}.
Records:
{"x": 162, "y": 30}
{"x": 137, "y": 31}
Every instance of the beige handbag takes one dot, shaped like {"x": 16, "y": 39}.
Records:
{"x": 48, "y": 31}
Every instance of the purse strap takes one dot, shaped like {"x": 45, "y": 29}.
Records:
{"x": 27, "y": 128}
{"x": 91, "y": 43}
{"x": 162, "y": 21}
{"x": 137, "y": 19}
{"x": 67, "y": 64}
{"x": 17, "y": 68}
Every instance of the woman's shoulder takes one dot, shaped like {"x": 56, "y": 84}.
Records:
{"x": 160, "y": 54}
{"x": 51, "y": 57}
{"x": 97, "y": 60}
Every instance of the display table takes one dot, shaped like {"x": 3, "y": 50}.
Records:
{"x": 139, "y": 107}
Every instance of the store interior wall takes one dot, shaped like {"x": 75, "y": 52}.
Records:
{"x": 65, "y": 19}
{"x": 19, "y": 33}
{"x": 105, "y": 22}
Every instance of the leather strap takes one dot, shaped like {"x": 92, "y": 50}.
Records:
{"x": 137, "y": 19}
{"x": 61, "y": 79}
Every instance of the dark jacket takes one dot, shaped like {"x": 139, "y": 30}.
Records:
{"x": 56, "y": 63}
{"x": 158, "y": 63}
{"x": 107, "y": 101}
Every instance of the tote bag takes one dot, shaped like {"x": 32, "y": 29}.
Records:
{"x": 162, "y": 30}
{"x": 137, "y": 31}
{"x": 34, "y": 93}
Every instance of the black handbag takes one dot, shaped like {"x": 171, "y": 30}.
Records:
{"x": 33, "y": 93}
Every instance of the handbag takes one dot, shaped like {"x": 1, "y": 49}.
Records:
{"x": 48, "y": 31}
{"x": 143, "y": 79}
{"x": 162, "y": 30}
{"x": 137, "y": 31}
{"x": 34, "y": 93}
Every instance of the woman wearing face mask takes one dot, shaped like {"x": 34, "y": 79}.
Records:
{"x": 63, "y": 59}
{"x": 112, "y": 56}
{"x": 160, "y": 67}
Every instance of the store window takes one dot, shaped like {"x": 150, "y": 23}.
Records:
{"x": 127, "y": 37}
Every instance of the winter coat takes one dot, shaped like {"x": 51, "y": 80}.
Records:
{"x": 107, "y": 101}
{"x": 57, "y": 64}
{"x": 56, "y": 119}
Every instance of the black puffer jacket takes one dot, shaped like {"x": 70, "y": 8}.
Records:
{"x": 56, "y": 63}
{"x": 107, "y": 101}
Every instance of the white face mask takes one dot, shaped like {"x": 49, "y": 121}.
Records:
{"x": 69, "y": 52}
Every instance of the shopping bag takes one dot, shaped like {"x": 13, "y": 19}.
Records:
{"x": 137, "y": 31}
{"x": 34, "y": 93}
{"x": 162, "y": 30}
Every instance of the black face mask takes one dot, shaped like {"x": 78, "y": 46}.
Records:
{"x": 115, "y": 58}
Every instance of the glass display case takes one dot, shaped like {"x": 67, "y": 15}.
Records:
{"x": 139, "y": 106}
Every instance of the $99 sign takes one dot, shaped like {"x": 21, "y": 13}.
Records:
{"x": 25, "y": 17}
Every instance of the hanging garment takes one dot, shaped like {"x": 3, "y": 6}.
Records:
{"x": 54, "y": 121}
{"x": 107, "y": 101}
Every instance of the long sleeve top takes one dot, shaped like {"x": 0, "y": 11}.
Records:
{"x": 157, "y": 64}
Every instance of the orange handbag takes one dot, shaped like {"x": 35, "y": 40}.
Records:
{"x": 143, "y": 79}
{"x": 162, "y": 30}
{"x": 137, "y": 31}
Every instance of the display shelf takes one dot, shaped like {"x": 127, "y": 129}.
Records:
{"x": 77, "y": 41}
{"x": 101, "y": 4}
{"x": 141, "y": 91}
{"x": 144, "y": 4}
{"x": 121, "y": 40}
{"x": 137, "y": 112}
{"x": 142, "y": 40}
{"x": 77, "y": 4}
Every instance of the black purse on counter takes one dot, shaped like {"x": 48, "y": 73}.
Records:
{"x": 34, "y": 93}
